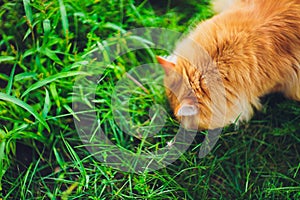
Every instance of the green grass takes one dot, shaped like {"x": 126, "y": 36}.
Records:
{"x": 44, "y": 46}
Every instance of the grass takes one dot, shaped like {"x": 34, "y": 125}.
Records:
{"x": 44, "y": 48}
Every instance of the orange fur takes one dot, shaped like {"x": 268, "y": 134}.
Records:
{"x": 250, "y": 49}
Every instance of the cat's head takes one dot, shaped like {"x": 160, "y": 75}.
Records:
{"x": 179, "y": 91}
{"x": 190, "y": 88}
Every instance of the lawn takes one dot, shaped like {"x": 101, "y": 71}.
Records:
{"x": 83, "y": 112}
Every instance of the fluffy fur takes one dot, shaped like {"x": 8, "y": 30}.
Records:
{"x": 222, "y": 68}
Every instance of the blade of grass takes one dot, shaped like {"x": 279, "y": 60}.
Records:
{"x": 24, "y": 181}
{"x": 47, "y": 104}
{"x": 46, "y": 26}
{"x": 25, "y": 75}
{"x": 27, "y": 107}
{"x": 6, "y": 58}
{"x": 114, "y": 27}
{"x": 51, "y": 79}
{"x": 28, "y": 11}
{"x": 33, "y": 173}
{"x": 54, "y": 94}
{"x": 64, "y": 19}
{"x": 77, "y": 161}
{"x": 59, "y": 159}
{"x": 52, "y": 55}
{"x": 2, "y": 156}
{"x": 10, "y": 81}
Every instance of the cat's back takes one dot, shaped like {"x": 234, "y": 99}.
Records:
{"x": 262, "y": 5}
{"x": 247, "y": 15}
{"x": 249, "y": 22}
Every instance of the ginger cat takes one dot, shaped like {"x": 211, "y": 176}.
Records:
{"x": 251, "y": 48}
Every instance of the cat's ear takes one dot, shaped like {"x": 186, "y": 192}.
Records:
{"x": 186, "y": 108}
{"x": 167, "y": 63}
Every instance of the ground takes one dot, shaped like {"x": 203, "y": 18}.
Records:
{"x": 44, "y": 46}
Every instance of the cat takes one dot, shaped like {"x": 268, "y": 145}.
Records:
{"x": 220, "y": 70}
